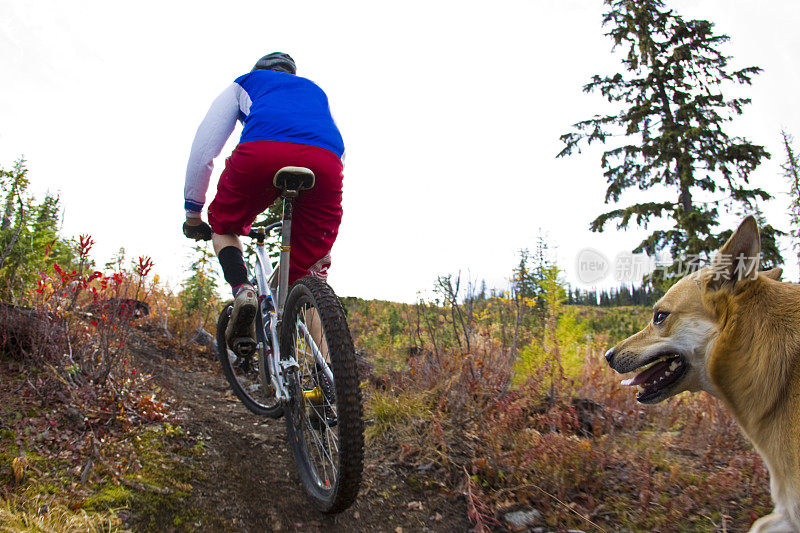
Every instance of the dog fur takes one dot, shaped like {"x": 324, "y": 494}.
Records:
{"x": 737, "y": 332}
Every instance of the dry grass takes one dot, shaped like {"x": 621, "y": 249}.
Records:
{"x": 580, "y": 450}
{"x": 40, "y": 515}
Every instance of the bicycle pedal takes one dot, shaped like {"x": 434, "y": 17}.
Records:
{"x": 244, "y": 346}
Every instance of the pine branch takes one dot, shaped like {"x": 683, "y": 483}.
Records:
{"x": 640, "y": 212}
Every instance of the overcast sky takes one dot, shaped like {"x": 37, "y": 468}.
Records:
{"x": 450, "y": 111}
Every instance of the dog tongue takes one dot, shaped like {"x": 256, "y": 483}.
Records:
{"x": 646, "y": 376}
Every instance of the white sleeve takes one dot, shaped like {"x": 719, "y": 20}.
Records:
{"x": 211, "y": 137}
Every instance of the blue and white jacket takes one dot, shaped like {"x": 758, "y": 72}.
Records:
{"x": 273, "y": 106}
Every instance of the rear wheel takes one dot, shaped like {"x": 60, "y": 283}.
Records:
{"x": 323, "y": 419}
{"x": 249, "y": 381}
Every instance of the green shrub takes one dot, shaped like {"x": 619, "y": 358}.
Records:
{"x": 533, "y": 361}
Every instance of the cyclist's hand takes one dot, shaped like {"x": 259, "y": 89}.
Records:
{"x": 198, "y": 232}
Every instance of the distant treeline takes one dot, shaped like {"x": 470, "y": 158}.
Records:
{"x": 619, "y": 296}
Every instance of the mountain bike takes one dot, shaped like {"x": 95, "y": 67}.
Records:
{"x": 303, "y": 364}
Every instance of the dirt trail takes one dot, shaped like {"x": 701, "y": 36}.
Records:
{"x": 246, "y": 479}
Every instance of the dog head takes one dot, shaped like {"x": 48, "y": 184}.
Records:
{"x": 671, "y": 353}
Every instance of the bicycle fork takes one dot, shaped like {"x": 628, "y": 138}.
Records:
{"x": 278, "y": 367}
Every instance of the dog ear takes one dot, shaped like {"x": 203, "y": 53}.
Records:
{"x": 773, "y": 273}
{"x": 738, "y": 258}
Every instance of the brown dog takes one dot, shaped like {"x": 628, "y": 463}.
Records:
{"x": 733, "y": 332}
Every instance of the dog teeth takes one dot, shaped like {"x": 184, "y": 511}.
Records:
{"x": 673, "y": 366}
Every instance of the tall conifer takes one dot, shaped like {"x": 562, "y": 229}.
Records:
{"x": 669, "y": 132}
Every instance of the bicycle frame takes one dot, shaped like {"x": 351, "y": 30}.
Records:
{"x": 269, "y": 314}
{"x": 272, "y": 317}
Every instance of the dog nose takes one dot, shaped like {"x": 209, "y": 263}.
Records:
{"x": 610, "y": 355}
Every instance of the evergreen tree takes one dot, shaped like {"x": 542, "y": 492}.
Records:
{"x": 553, "y": 294}
{"x": 482, "y": 292}
{"x": 672, "y": 115}
{"x": 47, "y": 214}
{"x": 524, "y": 283}
{"x": 624, "y": 295}
{"x": 29, "y": 234}
{"x": 273, "y": 214}
{"x": 14, "y": 183}
{"x": 200, "y": 289}
{"x": 117, "y": 262}
{"x": 542, "y": 261}
{"x": 791, "y": 171}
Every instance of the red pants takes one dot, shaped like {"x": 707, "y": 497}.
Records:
{"x": 245, "y": 190}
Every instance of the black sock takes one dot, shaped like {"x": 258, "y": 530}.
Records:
{"x": 232, "y": 262}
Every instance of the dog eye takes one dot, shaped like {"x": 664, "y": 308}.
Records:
{"x": 659, "y": 317}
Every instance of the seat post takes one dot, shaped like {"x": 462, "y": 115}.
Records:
{"x": 290, "y": 181}
{"x": 286, "y": 248}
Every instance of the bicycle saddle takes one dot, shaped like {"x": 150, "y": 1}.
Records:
{"x": 293, "y": 179}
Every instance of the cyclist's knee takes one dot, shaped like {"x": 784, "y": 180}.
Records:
{"x": 223, "y": 241}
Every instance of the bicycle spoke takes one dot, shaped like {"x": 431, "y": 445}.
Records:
{"x": 318, "y": 441}
{"x": 328, "y": 432}
{"x": 321, "y": 447}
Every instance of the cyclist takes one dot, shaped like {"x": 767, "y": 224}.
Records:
{"x": 287, "y": 122}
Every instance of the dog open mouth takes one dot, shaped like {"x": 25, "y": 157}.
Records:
{"x": 657, "y": 377}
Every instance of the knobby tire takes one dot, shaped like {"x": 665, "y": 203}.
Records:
{"x": 342, "y": 424}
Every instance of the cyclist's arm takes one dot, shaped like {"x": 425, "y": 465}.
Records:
{"x": 211, "y": 136}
